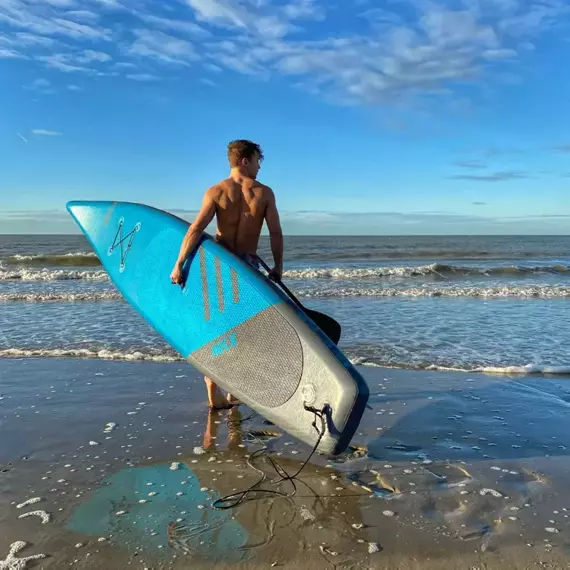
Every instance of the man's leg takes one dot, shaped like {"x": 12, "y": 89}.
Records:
{"x": 215, "y": 399}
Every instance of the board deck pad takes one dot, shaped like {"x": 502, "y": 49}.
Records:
{"x": 228, "y": 320}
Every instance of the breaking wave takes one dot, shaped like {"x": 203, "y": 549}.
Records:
{"x": 438, "y": 269}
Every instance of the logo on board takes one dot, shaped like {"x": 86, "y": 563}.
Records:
{"x": 225, "y": 344}
{"x": 120, "y": 239}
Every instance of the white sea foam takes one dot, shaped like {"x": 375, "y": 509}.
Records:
{"x": 44, "y": 274}
{"x": 59, "y": 296}
{"x": 86, "y": 353}
{"x": 500, "y": 292}
{"x": 522, "y": 370}
{"x": 358, "y": 360}
{"x": 55, "y": 256}
{"x": 439, "y": 269}
{"x": 362, "y": 273}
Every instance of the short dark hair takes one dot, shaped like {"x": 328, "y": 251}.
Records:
{"x": 240, "y": 149}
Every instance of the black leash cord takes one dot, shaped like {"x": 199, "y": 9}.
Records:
{"x": 234, "y": 499}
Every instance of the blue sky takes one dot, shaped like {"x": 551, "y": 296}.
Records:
{"x": 421, "y": 117}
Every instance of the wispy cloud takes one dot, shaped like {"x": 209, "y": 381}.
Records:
{"x": 143, "y": 77}
{"x": 496, "y": 152}
{"x": 478, "y": 203}
{"x": 73, "y": 87}
{"x": 161, "y": 46}
{"x": 407, "y": 50}
{"x": 40, "y": 85}
{"x": 63, "y": 62}
{"x": 183, "y": 26}
{"x": 470, "y": 164}
{"x": 562, "y": 148}
{"x": 45, "y": 133}
{"x": 90, "y": 55}
{"x": 494, "y": 177}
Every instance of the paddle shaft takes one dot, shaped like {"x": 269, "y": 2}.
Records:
{"x": 281, "y": 284}
{"x": 327, "y": 324}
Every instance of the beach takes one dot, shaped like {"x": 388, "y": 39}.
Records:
{"x": 447, "y": 470}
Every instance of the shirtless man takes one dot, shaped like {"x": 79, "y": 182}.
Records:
{"x": 241, "y": 204}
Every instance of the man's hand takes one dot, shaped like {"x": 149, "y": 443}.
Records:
{"x": 177, "y": 276}
{"x": 275, "y": 274}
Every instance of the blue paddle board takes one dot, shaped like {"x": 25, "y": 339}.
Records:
{"x": 230, "y": 321}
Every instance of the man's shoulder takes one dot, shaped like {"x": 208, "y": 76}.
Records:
{"x": 218, "y": 187}
{"x": 263, "y": 188}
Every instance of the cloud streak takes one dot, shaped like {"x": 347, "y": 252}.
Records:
{"x": 494, "y": 177}
{"x": 471, "y": 164}
{"x": 45, "y": 133}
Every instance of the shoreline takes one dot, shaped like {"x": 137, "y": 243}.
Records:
{"x": 510, "y": 371}
{"x": 447, "y": 471}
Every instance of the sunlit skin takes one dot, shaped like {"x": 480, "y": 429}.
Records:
{"x": 241, "y": 204}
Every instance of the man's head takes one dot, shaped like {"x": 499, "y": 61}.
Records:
{"x": 246, "y": 156}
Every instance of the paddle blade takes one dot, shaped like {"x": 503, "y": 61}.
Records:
{"x": 327, "y": 324}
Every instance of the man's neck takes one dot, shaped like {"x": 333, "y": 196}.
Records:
{"x": 238, "y": 176}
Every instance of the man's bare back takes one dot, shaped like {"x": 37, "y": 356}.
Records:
{"x": 240, "y": 204}
{"x": 241, "y": 210}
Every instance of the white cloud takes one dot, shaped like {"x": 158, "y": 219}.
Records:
{"x": 125, "y": 65}
{"x": 86, "y": 15}
{"x": 161, "y": 46}
{"x": 143, "y": 77}
{"x": 41, "y": 85}
{"x": 73, "y": 87}
{"x": 10, "y": 54}
{"x": 404, "y": 51}
{"x": 63, "y": 62}
{"x": 45, "y": 133}
{"x": 184, "y": 26}
{"x": 90, "y": 55}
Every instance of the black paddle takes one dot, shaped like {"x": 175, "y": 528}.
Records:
{"x": 327, "y": 324}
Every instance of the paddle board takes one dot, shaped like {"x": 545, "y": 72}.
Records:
{"x": 229, "y": 321}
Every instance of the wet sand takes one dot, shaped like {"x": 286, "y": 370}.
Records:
{"x": 448, "y": 470}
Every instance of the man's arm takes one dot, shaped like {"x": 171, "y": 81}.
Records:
{"x": 275, "y": 235}
{"x": 193, "y": 235}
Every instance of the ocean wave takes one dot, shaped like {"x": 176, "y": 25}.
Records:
{"x": 104, "y": 354}
{"x": 506, "y": 370}
{"x": 502, "y": 292}
{"x": 140, "y": 356}
{"x": 534, "y": 291}
{"x": 44, "y": 274}
{"x": 59, "y": 296}
{"x": 411, "y": 253}
{"x": 159, "y": 355}
{"x": 436, "y": 269}
{"x": 443, "y": 271}
{"x": 523, "y": 370}
{"x": 75, "y": 259}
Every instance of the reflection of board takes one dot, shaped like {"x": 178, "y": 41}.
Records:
{"x": 229, "y": 321}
